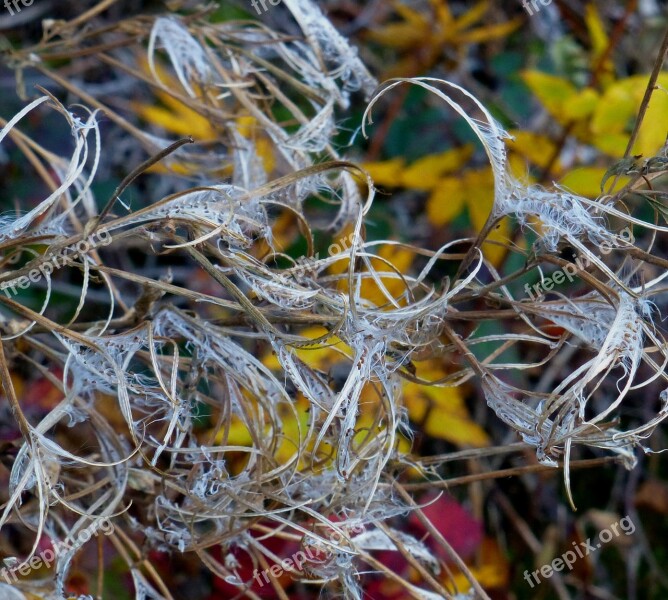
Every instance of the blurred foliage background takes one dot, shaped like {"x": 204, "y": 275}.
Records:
{"x": 567, "y": 82}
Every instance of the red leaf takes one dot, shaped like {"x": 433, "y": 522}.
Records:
{"x": 462, "y": 531}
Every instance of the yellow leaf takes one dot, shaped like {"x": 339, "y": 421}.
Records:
{"x": 175, "y": 117}
{"x": 613, "y": 144}
{"x": 442, "y": 410}
{"x": 491, "y": 32}
{"x": 445, "y": 419}
{"x": 495, "y": 248}
{"x": 472, "y": 16}
{"x": 586, "y": 181}
{"x": 248, "y": 128}
{"x": 401, "y": 259}
{"x": 293, "y": 428}
{"x": 536, "y": 148}
{"x": 443, "y": 14}
{"x": 18, "y": 384}
{"x": 387, "y": 172}
{"x": 479, "y": 187}
{"x": 320, "y": 356}
{"x": 401, "y": 36}
{"x": 446, "y": 201}
{"x": 283, "y": 230}
{"x": 404, "y": 35}
{"x": 425, "y": 173}
{"x": 185, "y": 122}
{"x": 614, "y": 110}
{"x": 411, "y": 16}
{"x": 481, "y": 34}
{"x": 581, "y": 105}
{"x": 599, "y": 42}
{"x": 462, "y": 431}
{"x": 404, "y": 447}
{"x": 553, "y": 92}
{"x": 492, "y": 570}
{"x": 617, "y": 110}
{"x": 370, "y": 407}
{"x": 341, "y": 241}
{"x": 423, "y": 36}
{"x": 238, "y": 434}
{"x": 654, "y": 128}
{"x": 518, "y": 168}
{"x": 597, "y": 34}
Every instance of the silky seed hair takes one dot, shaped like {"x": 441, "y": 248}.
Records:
{"x": 324, "y": 451}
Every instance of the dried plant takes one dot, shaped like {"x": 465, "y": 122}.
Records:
{"x": 159, "y": 348}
